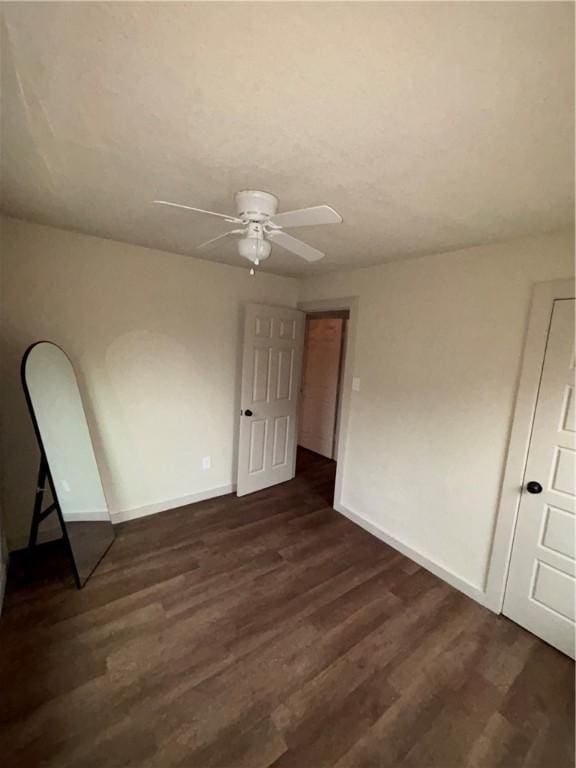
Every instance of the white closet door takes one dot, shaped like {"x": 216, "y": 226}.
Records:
{"x": 540, "y": 591}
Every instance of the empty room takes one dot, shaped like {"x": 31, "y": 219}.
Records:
{"x": 287, "y": 407}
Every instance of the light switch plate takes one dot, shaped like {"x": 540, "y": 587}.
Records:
{"x": 356, "y": 384}
{"x": 206, "y": 462}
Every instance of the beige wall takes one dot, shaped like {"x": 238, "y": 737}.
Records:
{"x": 438, "y": 348}
{"x": 154, "y": 338}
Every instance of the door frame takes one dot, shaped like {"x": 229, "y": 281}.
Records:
{"x": 331, "y": 305}
{"x": 543, "y": 297}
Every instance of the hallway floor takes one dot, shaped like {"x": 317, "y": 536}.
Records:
{"x": 269, "y": 631}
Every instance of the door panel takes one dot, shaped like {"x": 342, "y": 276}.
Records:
{"x": 280, "y": 443}
{"x": 284, "y": 383}
{"x": 257, "y": 443}
{"x": 540, "y": 591}
{"x": 261, "y": 375}
{"x": 323, "y": 347}
{"x": 558, "y": 532}
{"x": 271, "y": 364}
{"x": 563, "y": 472}
{"x": 554, "y": 590}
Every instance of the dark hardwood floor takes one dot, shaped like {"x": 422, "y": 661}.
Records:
{"x": 269, "y": 631}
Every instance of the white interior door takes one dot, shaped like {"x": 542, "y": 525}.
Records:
{"x": 323, "y": 346}
{"x": 540, "y": 591}
{"x": 271, "y": 366}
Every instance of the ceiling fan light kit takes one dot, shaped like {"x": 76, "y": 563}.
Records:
{"x": 254, "y": 248}
{"x": 261, "y": 225}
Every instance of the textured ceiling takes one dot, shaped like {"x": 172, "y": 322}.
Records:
{"x": 428, "y": 126}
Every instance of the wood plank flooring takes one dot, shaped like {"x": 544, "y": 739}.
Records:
{"x": 269, "y": 631}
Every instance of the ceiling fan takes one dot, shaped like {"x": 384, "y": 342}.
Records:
{"x": 260, "y": 226}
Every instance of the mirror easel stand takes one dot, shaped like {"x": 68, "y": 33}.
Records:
{"x": 39, "y": 514}
{"x": 68, "y": 467}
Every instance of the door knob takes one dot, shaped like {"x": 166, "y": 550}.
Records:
{"x": 533, "y": 487}
{"x": 248, "y": 412}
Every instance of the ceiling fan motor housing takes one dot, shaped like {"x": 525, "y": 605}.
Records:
{"x": 252, "y": 205}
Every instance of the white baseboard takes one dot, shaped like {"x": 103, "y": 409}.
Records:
{"x": 162, "y": 506}
{"x": 449, "y": 577}
{"x": 50, "y": 534}
{"x": 88, "y": 517}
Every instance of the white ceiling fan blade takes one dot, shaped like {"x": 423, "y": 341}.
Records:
{"x": 304, "y": 217}
{"x": 209, "y": 244}
{"x": 230, "y": 219}
{"x": 296, "y": 246}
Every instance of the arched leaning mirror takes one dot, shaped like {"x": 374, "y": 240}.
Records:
{"x": 68, "y": 465}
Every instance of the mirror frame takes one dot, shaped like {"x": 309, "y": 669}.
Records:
{"x": 44, "y": 457}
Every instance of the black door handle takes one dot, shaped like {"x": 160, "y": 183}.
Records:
{"x": 533, "y": 487}
{"x": 248, "y": 412}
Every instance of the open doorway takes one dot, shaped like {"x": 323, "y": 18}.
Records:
{"x": 269, "y": 388}
{"x": 321, "y": 398}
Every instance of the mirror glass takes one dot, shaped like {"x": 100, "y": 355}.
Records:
{"x": 61, "y": 424}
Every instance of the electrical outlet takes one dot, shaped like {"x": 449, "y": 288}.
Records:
{"x": 356, "y": 384}
{"x": 206, "y": 462}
